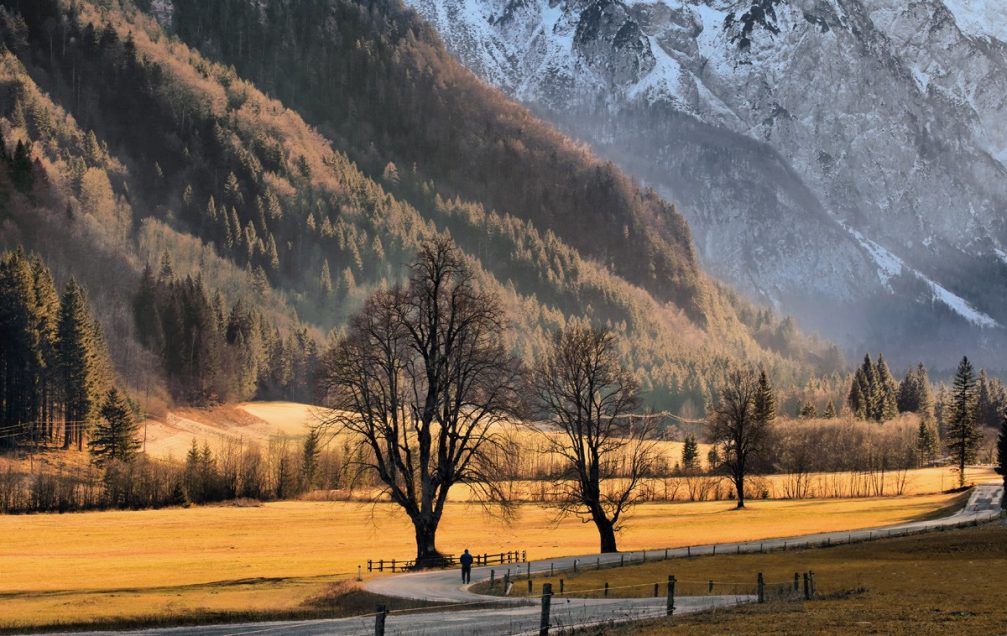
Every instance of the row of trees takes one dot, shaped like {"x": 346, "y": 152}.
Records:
{"x": 53, "y": 363}
{"x": 421, "y": 379}
{"x": 213, "y": 354}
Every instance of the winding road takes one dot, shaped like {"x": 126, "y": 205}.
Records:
{"x": 519, "y": 616}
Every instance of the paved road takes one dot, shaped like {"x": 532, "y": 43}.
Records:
{"x": 519, "y": 616}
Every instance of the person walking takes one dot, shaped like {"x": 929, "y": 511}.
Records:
{"x": 466, "y": 561}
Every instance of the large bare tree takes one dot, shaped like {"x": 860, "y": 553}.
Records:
{"x": 420, "y": 380}
{"x": 741, "y": 421}
{"x": 588, "y": 402}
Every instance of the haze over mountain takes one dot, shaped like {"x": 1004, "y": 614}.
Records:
{"x": 841, "y": 159}
{"x": 267, "y": 220}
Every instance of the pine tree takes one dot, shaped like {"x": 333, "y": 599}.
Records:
{"x": 309, "y": 463}
{"x": 113, "y": 437}
{"x": 857, "y": 401}
{"x": 962, "y": 436}
{"x": 887, "y": 406}
{"x": 21, "y": 167}
{"x": 808, "y": 411}
{"x": 765, "y": 400}
{"x": 325, "y": 280}
{"x": 926, "y": 443}
{"x": 830, "y": 411}
{"x": 232, "y": 191}
{"x": 690, "y": 454}
{"x": 79, "y": 364}
{"x": 46, "y": 316}
{"x": 145, "y": 312}
{"x": 167, "y": 272}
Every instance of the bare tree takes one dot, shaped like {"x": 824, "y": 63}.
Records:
{"x": 740, "y": 423}
{"x": 581, "y": 389}
{"x": 419, "y": 381}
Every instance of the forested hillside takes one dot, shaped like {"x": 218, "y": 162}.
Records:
{"x": 188, "y": 203}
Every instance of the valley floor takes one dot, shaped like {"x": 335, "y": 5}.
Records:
{"x": 285, "y": 559}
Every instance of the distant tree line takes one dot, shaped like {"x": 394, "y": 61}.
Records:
{"x": 211, "y": 353}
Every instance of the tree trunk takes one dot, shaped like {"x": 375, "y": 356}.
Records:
{"x": 427, "y": 555}
{"x": 606, "y": 533}
{"x": 739, "y": 485}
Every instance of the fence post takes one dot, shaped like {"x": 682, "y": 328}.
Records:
{"x": 529, "y": 571}
{"x": 370, "y": 565}
{"x": 657, "y": 589}
{"x": 811, "y": 575}
{"x": 666, "y": 554}
{"x": 529, "y": 587}
{"x": 543, "y": 626}
{"x": 486, "y": 559}
{"x": 622, "y": 560}
{"x": 381, "y": 565}
{"x": 597, "y": 563}
{"x": 606, "y": 589}
{"x": 492, "y": 578}
{"x": 524, "y": 555}
{"x": 393, "y": 565}
{"x": 670, "y": 608}
{"x": 762, "y": 588}
{"x": 644, "y": 557}
{"x": 688, "y": 551}
{"x": 807, "y": 587}
{"x": 714, "y": 549}
{"x": 710, "y": 591}
{"x": 360, "y": 574}
{"x": 379, "y": 621}
{"x": 506, "y": 583}
{"x": 575, "y": 566}
{"x": 561, "y": 586}
{"x": 551, "y": 571}
{"x": 797, "y": 584}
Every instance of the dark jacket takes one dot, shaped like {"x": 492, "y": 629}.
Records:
{"x": 466, "y": 559}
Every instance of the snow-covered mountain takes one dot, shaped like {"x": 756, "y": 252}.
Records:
{"x": 842, "y": 159}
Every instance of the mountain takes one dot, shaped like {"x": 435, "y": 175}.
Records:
{"x": 189, "y": 201}
{"x": 841, "y": 159}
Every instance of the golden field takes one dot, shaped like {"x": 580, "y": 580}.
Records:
{"x": 940, "y": 583}
{"x": 108, "y": 566}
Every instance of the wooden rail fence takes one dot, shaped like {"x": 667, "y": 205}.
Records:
{"x": 486, "y": 558}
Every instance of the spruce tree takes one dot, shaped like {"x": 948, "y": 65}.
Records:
{"x": 114, "y": 438}
{"x": 145, "y": 311}
{"x": 926, "y": 443}
{"x": 79, "y": 364}
{"x": 46, "y": 316}
{"x": 962, "y": 435}
{"x": 309, "y": 463}
{"x": 857, "y": 401}
{"x": 808, "y": 411}
{"x": 765, "y": 400}
{"x": 690, "y": 454}
{"x": 830, "y": 411}
{"x": 325, "y": 280}
{"x": 887, "y": 406}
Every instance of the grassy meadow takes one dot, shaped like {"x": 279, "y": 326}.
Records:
{"x": 274, "y": 558}
{"x": 940, "y": 583}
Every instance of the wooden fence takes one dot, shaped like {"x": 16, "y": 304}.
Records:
{"x": 395, "y": 565}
